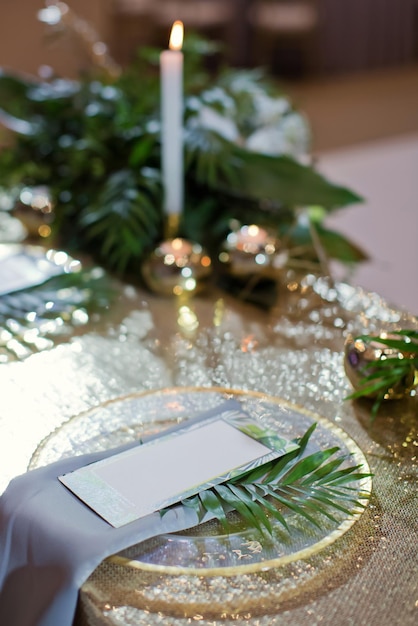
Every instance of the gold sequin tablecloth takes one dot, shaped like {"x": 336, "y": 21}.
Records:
{"x": 294, "y": 352}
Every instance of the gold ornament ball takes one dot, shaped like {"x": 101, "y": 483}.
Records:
{"x": 177, "y": 267}
{"x": 359, "y": 356}
{"x": 35, "y": 211}
{"x": 249, "y": 250}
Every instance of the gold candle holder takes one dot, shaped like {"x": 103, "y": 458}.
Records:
{"x": 177, "y": 266}
{"x": 172, "y": 226}
{"x": 249, "y": 250}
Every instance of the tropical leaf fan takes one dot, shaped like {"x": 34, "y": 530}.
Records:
{"x": 310, "y": 486}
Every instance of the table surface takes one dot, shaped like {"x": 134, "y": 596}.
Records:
{"x": 294, "y": 352}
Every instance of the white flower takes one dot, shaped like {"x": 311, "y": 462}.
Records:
{"x": 290, "y": 136}
{"x": 297, "y": 133}
{"x": 266, "y": 140}
{"x": 269, "y": 110}
{"x": 212, "y": 120}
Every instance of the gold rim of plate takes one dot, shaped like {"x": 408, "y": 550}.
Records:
{"x": 277, "y": 562}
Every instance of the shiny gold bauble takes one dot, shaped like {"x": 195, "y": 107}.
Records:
{"x": 177, "y": 267}
{"x": 35, "y": 211}
{"x": 359, "y": 356}
{"x": 249, "y": 250}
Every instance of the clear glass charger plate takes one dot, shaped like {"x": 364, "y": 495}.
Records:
{"x": 206, "y": 550}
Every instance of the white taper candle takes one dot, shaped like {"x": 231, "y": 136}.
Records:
{"x": 171, "y": 66}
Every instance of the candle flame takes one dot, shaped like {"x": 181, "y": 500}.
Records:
{"x": 176, "y": 37}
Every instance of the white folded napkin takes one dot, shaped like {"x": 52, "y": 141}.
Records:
{"x": 50, "y": 543}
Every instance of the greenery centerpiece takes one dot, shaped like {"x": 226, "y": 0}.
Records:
{"x": 95, "y": 143}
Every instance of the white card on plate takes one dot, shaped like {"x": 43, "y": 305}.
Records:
{"x": 203, "y": 452}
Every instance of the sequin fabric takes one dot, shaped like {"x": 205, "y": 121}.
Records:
{"x": 295, "y": 352}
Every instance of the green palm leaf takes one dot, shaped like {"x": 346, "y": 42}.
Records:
{"x": 249, "y": 511}
{"x": 286, "y": 498}
{"x": 309, "y": 485}
{"x": 124, "y": 220}
{"x": 306, "y": 466}
{"x": 224, "y": 166}
{"x": 210, "y": 500}
{"x": 258, "y": 494}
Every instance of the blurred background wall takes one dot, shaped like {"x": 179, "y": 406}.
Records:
{"x": 26, "y": 44}
{"x": 294, "y": 38}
